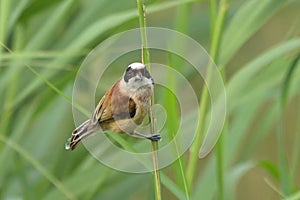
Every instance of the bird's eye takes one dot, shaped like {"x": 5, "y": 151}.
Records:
{"x": 128, "y": 74}
{"x": 129, "y": 71}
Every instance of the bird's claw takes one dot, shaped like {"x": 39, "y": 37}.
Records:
{"x": 154, "y": 137}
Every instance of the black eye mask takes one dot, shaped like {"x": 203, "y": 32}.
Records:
{"x": 145, "y": 73}
{"x": 132, "y": 72}
{"x": 128, "y": 74}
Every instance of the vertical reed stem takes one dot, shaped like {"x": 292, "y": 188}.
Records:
{"x": 146, "y": 60}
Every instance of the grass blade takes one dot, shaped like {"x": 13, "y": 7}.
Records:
{"x": 24, "y": 154}
{"x": 285, "y": 178}
{"x": 249, "y": 18}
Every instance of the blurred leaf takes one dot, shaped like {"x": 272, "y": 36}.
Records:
{"x": 233, "y": 177}
{"x": 206, "y": 184}
{"x": 270, "y": 167}
{"x": 248, "y": 19}
{"x": 116, "y": 19}
{"x": 37, "y": 6}
{"x": 168, "y": 183}
{"x": 242, "y": 121}
{"x": 295, "y": 196}
{"x": 15, "y": 14}
{"x": 81, "y": 183}
{"x": 125, "y": 187}
{"x": 285, "y": 178}
{"x": 39, "y": 55}
{"x": 238, "y": 85}
{"x": 7, "y": 155}
{"x": 244, "y": 76}
{"x": 37, "y": 165}
{"x": 287, "y": 80}
{"x": 45, "y": 33}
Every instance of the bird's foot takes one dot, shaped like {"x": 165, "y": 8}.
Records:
{"x": 154, "y": 137}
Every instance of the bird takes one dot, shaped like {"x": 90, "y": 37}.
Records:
{"x": 122, "y": 108}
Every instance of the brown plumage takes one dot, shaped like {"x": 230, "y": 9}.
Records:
{"x": 122, "y": 108}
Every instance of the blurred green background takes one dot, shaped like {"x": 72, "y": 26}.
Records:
{"x": 255, "y": 43}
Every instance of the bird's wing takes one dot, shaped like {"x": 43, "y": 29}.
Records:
{"x": 101, "y": 113}
{"x": 114, "y": 105}
{"x": 103, "y": 110}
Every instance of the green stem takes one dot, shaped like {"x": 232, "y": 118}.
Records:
{"x": 4, "y": 14}
{"x": 220, "y": 155}
{"x": 142, "y": 22}
{"x": 216, "y": 35}
{"x": 212, "y": 15}
{"x": 171, "y": 107}
{"x": 192, "y": 163}
{"x": 170, "y": 101}
{"x": 215, "y": 43}
{"x": 146, "y": 60}
{"x": 220, "y": 165}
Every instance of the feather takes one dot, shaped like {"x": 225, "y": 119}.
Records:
{"x": 113, "y": 106}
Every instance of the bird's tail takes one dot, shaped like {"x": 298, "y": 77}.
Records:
{"x": 84, "y": 130}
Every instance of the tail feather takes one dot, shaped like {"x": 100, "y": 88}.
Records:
{"x": 84, "y": 130}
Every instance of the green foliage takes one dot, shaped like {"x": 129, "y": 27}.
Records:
{"x": 42, "y": 44}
